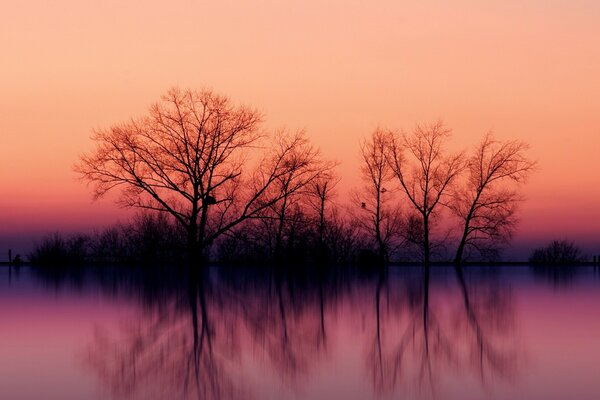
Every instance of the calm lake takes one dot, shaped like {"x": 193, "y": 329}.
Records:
{"x": 106, "y": 333}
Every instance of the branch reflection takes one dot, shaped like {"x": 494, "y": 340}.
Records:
{"x": 238, "y": 333}
{"x": 424, "y": 338}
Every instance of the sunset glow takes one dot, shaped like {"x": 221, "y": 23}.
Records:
{"x": 338, "y": 69}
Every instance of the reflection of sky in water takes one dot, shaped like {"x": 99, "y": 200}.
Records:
{"x": 510, "y": 333}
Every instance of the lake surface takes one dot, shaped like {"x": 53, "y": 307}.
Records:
{"x": 106, "y": 333}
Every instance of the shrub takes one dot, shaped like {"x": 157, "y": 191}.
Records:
{"x": 146, "y": 239}
{"x": 557, "y": 252}
{"x": 56, "y": 249}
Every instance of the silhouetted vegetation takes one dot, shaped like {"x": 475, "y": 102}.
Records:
{"x": 557, "y": 262}
{"x": 154, "y": 239}
{"x": 425, "y": 174}
{"x": 226, "y": 191}
{"x": 147, "y": 239}
{"x": 190, "y": 158}
{"x": 57, "y": 249}
{"x": 378, "y": 215}
{"x": 485, "y": 204}
{"x": 306, "y": 237}
{"x": 558, "y": 252}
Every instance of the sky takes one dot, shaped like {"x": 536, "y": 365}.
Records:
{"x": 338, "y": 69}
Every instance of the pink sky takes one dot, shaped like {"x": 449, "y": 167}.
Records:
{"x": 339, "y": 69}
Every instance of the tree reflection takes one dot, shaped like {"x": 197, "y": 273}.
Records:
{"x": 558, "y": 275}
{"x": 439, "y": 337}
{"x": 408, "y": 343}
{"x": 490, "y": 318}
{"x": 191, "y": 346}
{"x": 171, "y": 351}
{"x": 285, "y": 328}
{"x": 221, "y": 334}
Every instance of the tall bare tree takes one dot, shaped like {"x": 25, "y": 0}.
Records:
{"x": 424, "y": 172}
{"x": 381, "y": 220}
{"x": 188, "y": 158}
{"x": 321, "y": 194}
{"x": 487, "y": 202}
{"x": 292, "y": 188}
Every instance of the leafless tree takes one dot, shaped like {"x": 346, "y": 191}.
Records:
{"x": 188, "y": 157}
{"x": 424, "y": 172}
{"x": 557, "y": 252}
{"x": 293, "y": 188}
{"x": 342, "y": 236}
{"x": 379, "y": 218}
{"x": 486, "y": 204}
{"x": 322, "y": 192}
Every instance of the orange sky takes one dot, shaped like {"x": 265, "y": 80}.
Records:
{"x": 337, "y": 68}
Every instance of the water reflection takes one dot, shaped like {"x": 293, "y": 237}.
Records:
{"x": 174, "y": 350}
{"x": 228, "y": 333}
{"x": 558, "y": 275}
{"x": 422, "y": 336}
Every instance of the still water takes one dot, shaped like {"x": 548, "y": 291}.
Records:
{"x": 497, "y": 333}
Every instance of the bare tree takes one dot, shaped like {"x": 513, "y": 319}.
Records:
{"x": 342, "y": 236}
{"x": 286, "y": 221}
{"x": 187, "y": 158}
{"x": 322, "y": 192}
{"x": 558, "y": 252}
{"x": 425, "y": 173}
{"x": 382, "y": 221}
{"x": 293, "y": 189}
{"x": 486, "y": 204}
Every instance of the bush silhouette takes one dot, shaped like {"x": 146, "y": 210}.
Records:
{"x": 558, "y": 252}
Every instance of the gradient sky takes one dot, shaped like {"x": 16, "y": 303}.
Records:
{"x": 526, "y": 70}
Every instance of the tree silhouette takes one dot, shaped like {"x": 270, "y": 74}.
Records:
{"x": 321, "y": 194}
{"x": 188, "y": 157}
{"x": 485, "y": 205}
{"x": 292, "y": 189}
{"x": 378, "y": 219}
{"x": 425, "y": 174}
{"x": 558, "y": 252}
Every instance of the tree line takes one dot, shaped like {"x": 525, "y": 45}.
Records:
{"x": 236, "y": 192}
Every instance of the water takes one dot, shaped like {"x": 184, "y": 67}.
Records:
{"x": 498, "y": 333}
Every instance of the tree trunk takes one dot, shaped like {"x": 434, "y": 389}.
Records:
{"x": 463, "y": 241}
{"x": 460, "y": 250}
{"x": 426, "y": 250}
{"x": 193, "y": 247}
{"x": 321, "y": 250}
{"x": 278, "y": 256}
{"x": 382, "y": 251}
{"x": 201, "y": 235}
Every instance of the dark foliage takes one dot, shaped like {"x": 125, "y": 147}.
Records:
{"x": 57, "y": 249}
{"x": 146, "y": 239}
{"x": 559, "y": 252}
{"x": 300, "y": 241}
